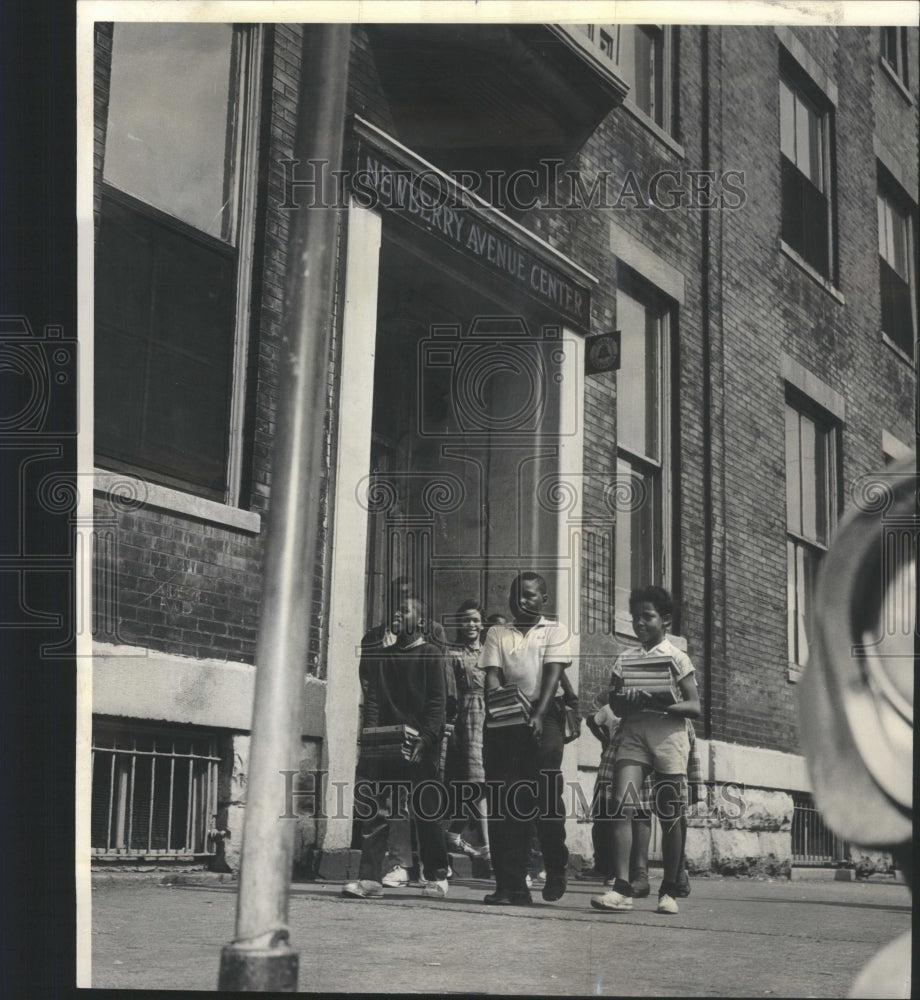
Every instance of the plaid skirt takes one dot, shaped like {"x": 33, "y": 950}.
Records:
{"x": 465, "y": 752}
{"x": 692, "y": 787}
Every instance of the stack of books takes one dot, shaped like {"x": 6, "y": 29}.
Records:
{"x": 388, "y": 742}
{"x": 506, "y": 706}
{"x": 654, "y": 674}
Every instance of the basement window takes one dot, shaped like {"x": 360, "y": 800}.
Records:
{"x": 154, "y": 793}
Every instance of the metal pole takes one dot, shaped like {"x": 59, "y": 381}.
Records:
{"x": 260, "y": 957}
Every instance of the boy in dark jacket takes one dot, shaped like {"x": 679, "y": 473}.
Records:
{"x": 405, "y": 686}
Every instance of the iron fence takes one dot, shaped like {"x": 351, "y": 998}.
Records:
{"x": 154, "y": 793}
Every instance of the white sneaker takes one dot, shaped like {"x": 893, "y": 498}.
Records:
{"x": 528, "y": 881}
{"x": 396, "y": 877}
{"x": 612, "y": 900}
{"x": 667, "y": 904}
{"x": 436, "y": 889}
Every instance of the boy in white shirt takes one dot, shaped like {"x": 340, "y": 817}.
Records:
{"x": 530, "y": 653}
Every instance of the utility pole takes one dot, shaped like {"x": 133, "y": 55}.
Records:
{"x": 260, "y": 957}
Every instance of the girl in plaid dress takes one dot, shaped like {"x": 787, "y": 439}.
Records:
{"x": 465, "y": 752}
{"x": 605, "y": 726}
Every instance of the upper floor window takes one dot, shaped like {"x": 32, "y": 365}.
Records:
{"x": 811, "y": 512}
{"x": 174, "y": 235}
{"x": 643, "y": 447}
{"x": 805, "y": 145}
{"x": 896, "y": 265}
{"x": 641, "y": 53}
{"x": 894, "y": 51}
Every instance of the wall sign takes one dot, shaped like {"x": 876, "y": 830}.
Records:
{"x": 431, "y": 201}
{"x": 602, "y": 353}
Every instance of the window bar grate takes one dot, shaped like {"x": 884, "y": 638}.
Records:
{"x": 135, "y": 780}
{"x": 191, "y": 804}
{"x": 130, "y": 803}
{"x": 172, "y": 785}
{"x": 813, "y": 843}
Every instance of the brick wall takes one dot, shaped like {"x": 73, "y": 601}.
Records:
{"x": 170, "y": 584}
{"x": 772, "y": 306}
{"x": 193, "y": 588}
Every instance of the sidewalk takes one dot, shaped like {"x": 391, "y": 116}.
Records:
{"x": 732, "y": 937}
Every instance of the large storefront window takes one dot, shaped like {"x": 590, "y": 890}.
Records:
{"x": 170, "y": 302}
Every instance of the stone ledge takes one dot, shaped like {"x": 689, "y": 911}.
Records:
{"x": 757, "y": 766}
{"x": 821, "y": 874}
{"x": 140, "y": 683}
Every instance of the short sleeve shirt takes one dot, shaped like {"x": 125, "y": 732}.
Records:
{"x": 681, "y": 667}
{"x": 520, "y": 655}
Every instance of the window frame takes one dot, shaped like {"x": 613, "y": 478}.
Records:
{"x": 246, "y": 66}
{"x": 899, "y": 67}
{"x": 793, "y": 77}
{"x": 621, "y": 54}
{"x": 660, "y": 469}
{"x": 797, "y": 539}
{"x": 896, "y": 202}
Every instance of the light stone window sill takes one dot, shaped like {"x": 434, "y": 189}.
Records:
{"x": 133, "y": 492}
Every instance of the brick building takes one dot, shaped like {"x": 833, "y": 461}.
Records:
{"x": 740, "y": 203}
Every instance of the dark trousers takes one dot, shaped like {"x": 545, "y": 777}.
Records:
{"x": 376, "y": 800}
{"x": 524, "y": 783}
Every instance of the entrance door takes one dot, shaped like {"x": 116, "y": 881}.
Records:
{"x": 466, "y": 426}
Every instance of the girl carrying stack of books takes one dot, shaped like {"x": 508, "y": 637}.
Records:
{"x": 653, "y": 737}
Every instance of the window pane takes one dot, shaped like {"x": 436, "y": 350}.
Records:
{"x": 822, "y": 485}
{"x": 882, "y": 228}
{"x": 638, "y": 403}
{"x": 809, "y": 478}
{"x": 622, "y": 565}
{"x": 802, "y": 139}
{"x": 642, "y": 94}
{"x": 632, "y": 378}
{"x": 897, "y": 316}
{"x": 637, "y": 560}
{"x": 809, "y": 562}
{"x": 816, "y": 148}
{"x": 801, "y": 639}
{"x": 898, "y": 240}
{"x": 786, "y": 120}
{"x": 170, "y": 114}
{"x": 791, "y": 608}
{"x": 793, "y": 473}
{"x": 164, "y": 320}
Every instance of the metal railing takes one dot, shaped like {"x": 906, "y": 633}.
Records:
{"x": 813, "y": 843}
{"x": 154, "y": 793}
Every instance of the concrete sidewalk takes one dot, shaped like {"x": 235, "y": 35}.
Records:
{"x": 732, "y": 937}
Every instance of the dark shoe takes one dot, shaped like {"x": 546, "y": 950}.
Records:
{"x": 682, "y": 884}
{"x": 640, "y": 887}
{"x": 502, "y": 897}
{"x": 591, "y": 875}
{"x": 363, "y": 888}
{"x": 555, "y": 887}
